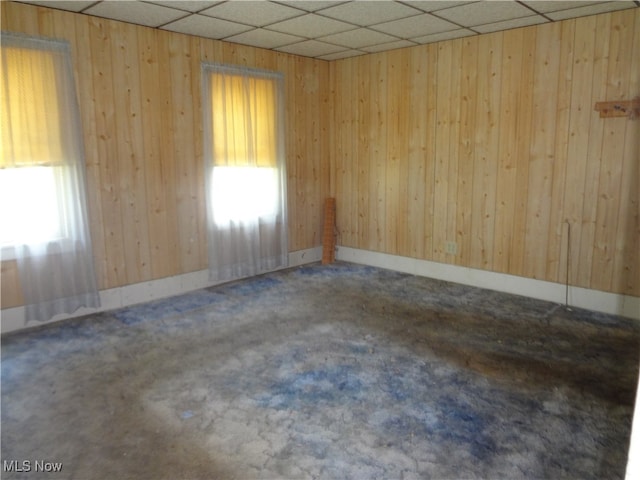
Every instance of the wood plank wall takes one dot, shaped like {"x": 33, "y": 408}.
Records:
{"x": 492, "y": 142}
{"x": 139, "y": 95}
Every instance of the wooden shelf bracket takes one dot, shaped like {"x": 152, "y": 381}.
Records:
{"x": 622, "y": 108}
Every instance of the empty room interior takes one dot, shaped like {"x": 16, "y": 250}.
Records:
{"x": 320, "y": 239}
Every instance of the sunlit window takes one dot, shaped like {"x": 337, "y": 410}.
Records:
{"x": 243, "y": 194}
{"x": 43, "y": 210}
{"x": 245, "y": 165}
{"x": 244, "y": 183}
{"x": 31, "y": 210}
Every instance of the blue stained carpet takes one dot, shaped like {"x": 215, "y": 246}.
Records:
{"x": 313, "y": 388}
{"x": 166, "y": 307}
{"x": 337, "y": 371}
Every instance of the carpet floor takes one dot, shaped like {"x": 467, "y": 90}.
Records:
{"x": 339, "y": 371}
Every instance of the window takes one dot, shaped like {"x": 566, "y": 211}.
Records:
{"x": 244, "y": 177}
{"x": 243, "y": 194}
{"x": 43, "y": 217}
{"x": 245, "y": 165}
{"x": 31, "y": 158}
{"x": 40, "y": 217}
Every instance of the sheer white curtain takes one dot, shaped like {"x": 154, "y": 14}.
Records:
{"x": 245, "y": 171}
{"x": 43, "y": 213}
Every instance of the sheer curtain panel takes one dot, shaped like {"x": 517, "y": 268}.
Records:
{"x": 245, "y": 171}
{"x": 43, "y": 212}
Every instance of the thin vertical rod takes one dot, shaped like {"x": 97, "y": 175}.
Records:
{"x": 566, "y": 284}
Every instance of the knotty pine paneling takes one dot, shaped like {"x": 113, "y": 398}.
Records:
{"x": 139, "y": 95}
{"x": 492, "y": 142}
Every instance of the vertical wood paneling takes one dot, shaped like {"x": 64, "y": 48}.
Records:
{"x": 417, "y": 142}
{"x": 188, "y": 186}
{"x": 294, "y": 205}
{"x": 429, "y": 135}
{"x": 344, "y": 154}
{"x": 510, "y": 150}
{"x": 490, "y": 141}
{"x": 610, "y": 182}
{"x": 27, "y": 24}
{"x": 455, "y": 80}
{"x": 139, "y": 96}
{"x": 298, "y": 193}
{"x": 83, "y": 61}
{"x": 512, "y": 54}
{"x": 485, "y": 148}
{"x": 114, "y": 261}
{"x": 524, "y": 121}
{"x": 403, "y": 151}
{"x": 129, "y": 153}
{"x": 319, "y": 99}
{"x": 541, "y": 160}
{"x": 585, "y": 131}
{"x": 307, "y": 116}
{"x": 556, "y": 214}
{"x": 162, "y": 218}
{"x": 377, "y": 171}
{"x": 626, "y": 277}
{"x": 464, "y": 176}
{"x": 394, "y": 145}
{"x": 443, "y": 142}
{"x": 397, "y": 149}
{"x": 363, "y": 96}
{"x": 585, "y": 178}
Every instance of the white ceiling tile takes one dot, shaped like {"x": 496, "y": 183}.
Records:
{"x": 259, "y": 37}
{"x": 590, "y": 10}
{"x": 360, "y": 37}
{"x": 480, "y": 13}
{"x": 72, "y": 6}
{"x": 389, "y": 46}
{"x": 439, "y": 37}
{"x": 416, "y": 26}
{"x": 311, "y": 5}
{"x": 148, "y": 14}
{"x": 310, "y": 48}
{"x": 509, "y": 24}
{"x": 256, "y": 13}
{"x": 310, "y": 26}
{"x": 366, "y": 13}
{"x": 206, "y": 27}
{"x": 339, "y": 55}
{"x": 432, "y": 6}
{"x": 544, "y": 6}
{"x": 333, "y": 29}
{"x": 189, "y": 6}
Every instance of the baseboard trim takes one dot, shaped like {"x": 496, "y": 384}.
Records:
{"x": 13, "y": 319}
{"x": 595, "y": 300}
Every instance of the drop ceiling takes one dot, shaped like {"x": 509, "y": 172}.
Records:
{"x": 336, "y": 29}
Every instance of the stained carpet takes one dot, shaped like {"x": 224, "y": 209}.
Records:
{"x": 339, "y": 371}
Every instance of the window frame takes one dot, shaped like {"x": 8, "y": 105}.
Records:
{"x": 276, "y": 164}
{"x": 65, "y": 172}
